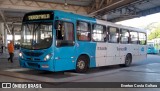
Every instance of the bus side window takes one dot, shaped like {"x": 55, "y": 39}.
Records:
{"x": 113, "y": 35}
{"x": 99, "y": 33}
{"x": 64, "y": 34}
{"x": 142, "y": 38}
{"x": 59, "y": 30}
{"x": 133, "y": 37}
{"x": 124, "y": 36}
{"x": 83, "y": 31}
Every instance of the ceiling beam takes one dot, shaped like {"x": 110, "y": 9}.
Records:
{"x": 108, "y": 3}
{"x": 4, "y": 20}
{"x": 131, "y": 11}
{"x": 107, "y": 6}
{"x": 101, "y": 3}
{"x": 23, "y": 5}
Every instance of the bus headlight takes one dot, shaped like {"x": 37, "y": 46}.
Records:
{"x": 47, "y": 57}
{"x": 20, "y": 55}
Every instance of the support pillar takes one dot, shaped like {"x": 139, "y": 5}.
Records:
{"x": 13, "y": 35}
{"x": 2, "y": 33}
{"x": 5, "y": 38}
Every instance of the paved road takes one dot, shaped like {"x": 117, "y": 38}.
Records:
{"x": 150, "y": 59}
{"x": 110, "y": 73}
{"x": 5, "y": 65}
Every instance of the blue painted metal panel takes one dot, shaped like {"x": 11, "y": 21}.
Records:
{"x": 88, "y": 48}
{"x": 62, "y": 15}
{"x": 37, "y": 61}
{"x": 67, "y": 56}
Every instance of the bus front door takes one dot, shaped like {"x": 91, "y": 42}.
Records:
{"x": 65, "y": 46}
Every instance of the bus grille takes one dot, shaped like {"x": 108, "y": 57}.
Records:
{"x": 34, "y": 65}
{"x": 32, "y": 54}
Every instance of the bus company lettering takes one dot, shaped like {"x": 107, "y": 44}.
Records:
{"x": 37, "y": 17}
{"x": 101, "y": 48}
{"x": 121, "y": 49}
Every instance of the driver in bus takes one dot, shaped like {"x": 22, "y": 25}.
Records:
{"x": 59, "y": 32}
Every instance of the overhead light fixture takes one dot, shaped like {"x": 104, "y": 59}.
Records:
{"x": 65, "y": 5}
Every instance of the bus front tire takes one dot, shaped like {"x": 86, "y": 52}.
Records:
{"x": 82, "y": 64}
{"x": 128, "y": 61}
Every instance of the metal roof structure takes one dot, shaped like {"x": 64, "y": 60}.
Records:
{"x": 70, "y": 2}
{"x": 110, "y": 10}
{"x": 132, "y": 10}
{"x": 12, "y": 11}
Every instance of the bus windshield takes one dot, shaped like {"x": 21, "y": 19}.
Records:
{"x": 36, "y": 35}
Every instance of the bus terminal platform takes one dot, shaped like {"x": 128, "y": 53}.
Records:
{"x": 145, "y": 71}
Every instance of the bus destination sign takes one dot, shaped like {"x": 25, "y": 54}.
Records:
{"x": 38, "y": 16}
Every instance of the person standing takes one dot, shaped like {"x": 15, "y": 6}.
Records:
{"x": 2, "y": 48}
{"x": 11, "y": 51}
{"x": 1, "y": 44}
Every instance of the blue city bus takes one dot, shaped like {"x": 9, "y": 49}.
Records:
{"x": 54, "y": 40}
{"x": 151, "y": 49}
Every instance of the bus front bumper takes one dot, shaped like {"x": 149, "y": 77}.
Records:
{"x": 39, "y": 65}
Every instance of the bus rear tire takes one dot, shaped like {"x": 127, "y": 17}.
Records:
{"x": 82, "y": 64}
{"x": 128, "y": 61}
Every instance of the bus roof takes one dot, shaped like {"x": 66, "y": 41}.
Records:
{"x": 121, "y": 26}
{"x": 75, "y": 16}
{"x": 89, "y": 19}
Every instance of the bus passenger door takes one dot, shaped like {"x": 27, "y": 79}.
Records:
{"x": 134, "y": 45}
{"x": 142, "y": 46}
{"x": 65, "y": 46}
{"x": 113, "y": 47}
{"x": 112, "y": 54}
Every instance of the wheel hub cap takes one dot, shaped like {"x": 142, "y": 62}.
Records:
{"x": 81, "y": 64}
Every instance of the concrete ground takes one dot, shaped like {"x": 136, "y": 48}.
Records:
{"x": 144, "y": 71}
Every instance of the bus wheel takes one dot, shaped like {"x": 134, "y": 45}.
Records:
{"x": 128, "y": 61}
{"x": 82, "y": 64}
